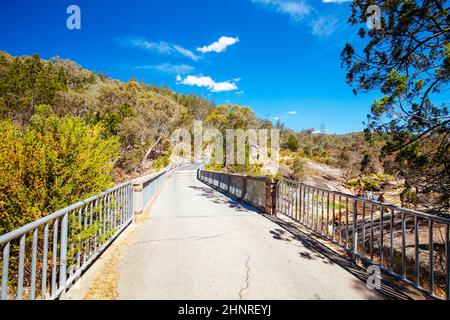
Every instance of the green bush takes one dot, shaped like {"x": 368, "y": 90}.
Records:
{"x": 53, "y": 163}
{"x": 292, "y": 143}
{"x": 367, "y": 184}
{"x": 298, "y": 168}
{"x": 161, "y": 162}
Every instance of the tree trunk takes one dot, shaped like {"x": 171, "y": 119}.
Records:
{"x": 151, "y": 149}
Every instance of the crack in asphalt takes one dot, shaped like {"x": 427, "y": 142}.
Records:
{"x": 247, "y": 277}
{"x": 194, "y": 238}
{"x": 210, "y": 237}
{"x": 237, "y": 215}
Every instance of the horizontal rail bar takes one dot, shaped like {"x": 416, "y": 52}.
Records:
{"x": 369, "y": 230}
{"x": 244, "y": 190}
{"x": 35, "y": 224}
{"x": 385, "y": 231}
{"x": 56, "y": 249}
{"x": 424, "y": 215}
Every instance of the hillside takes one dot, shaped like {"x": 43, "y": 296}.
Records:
{"x": 56, "y": 115}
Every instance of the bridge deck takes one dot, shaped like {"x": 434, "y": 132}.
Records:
{"x": 200, "y": 244}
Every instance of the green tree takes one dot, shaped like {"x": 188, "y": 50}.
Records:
{"x": 54, "y": 163}
{"x": 298, "y": 168}
{"x": 292, "y": 143}
{"x": 408, "y": 60}
{"x": 27, "y": 82}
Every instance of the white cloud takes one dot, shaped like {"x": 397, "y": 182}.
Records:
{"x": 207, "y": 82}
{"x": 295, "y": 9}
{"x": 197, "y": 81}
{"x": 186, "y": 53}
{"x": 324, "y": 26}
{"x": 159, "y": 47}
{"x": 291, "y": 113}
{"x": 276, "y": 118}
{"x": 168, "y": 68}
{"x": 220, "y": 45}
{"x": 224, "y": 86}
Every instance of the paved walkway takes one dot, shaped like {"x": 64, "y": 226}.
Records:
{"x": 200, "y": 244}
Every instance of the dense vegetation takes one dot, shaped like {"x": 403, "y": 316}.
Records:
{"x": 408, "y": 60}
{"x": 67, "y": 133}
{"x": 52, "y": 164}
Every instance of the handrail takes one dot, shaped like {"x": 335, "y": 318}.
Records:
{"x": 256, "y": 198}
{"x": 57, "y": 248}
{"x": 150, "y": 177}
{"x": 237, "y": 175}
{"x": 35, "y": 224}
{"x": 378, "y": 203}
{"x": 375, "y": 232}
{"x": 372, "y": 231}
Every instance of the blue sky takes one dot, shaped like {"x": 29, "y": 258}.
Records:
{"x": 280, "y": 57}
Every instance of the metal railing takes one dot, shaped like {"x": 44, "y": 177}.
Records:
{"x": 250, "y": 189}
{"x": 410, "y": 245}
{"x": 152, "y": 185}
{"x": 43, "y": 259}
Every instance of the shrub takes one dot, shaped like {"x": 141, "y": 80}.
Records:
{"x": 367, "y": 184}
{"x": 292, "y": 143}
{"x": 161, "y": 162}
{"x": 298, "y": 167}
{"x": 53, "y": 163}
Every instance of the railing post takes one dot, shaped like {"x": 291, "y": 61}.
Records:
{"x": 131, "y": 202}
{"x": 63, "y": 255}
{"x": 355, "y": 230}
{"x": 244, "y": 187}
{"x": 5, "y": 272}
{"x": 271, "y": 196}
{"x": 138, "y": 191}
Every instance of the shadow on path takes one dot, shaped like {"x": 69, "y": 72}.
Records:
{"x": 219, "y": 197}
{"x": 389, "y": 289}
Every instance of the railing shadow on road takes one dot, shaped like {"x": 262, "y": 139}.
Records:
{"x": 218, "y": 196}
{"x": 408, "y": 245}
{"x": 390, "y": 288}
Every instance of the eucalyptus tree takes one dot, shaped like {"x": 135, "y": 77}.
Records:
{"x": 406, "y": 57}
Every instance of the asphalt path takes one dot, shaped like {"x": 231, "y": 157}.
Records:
{"x": 200, "y": 244}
